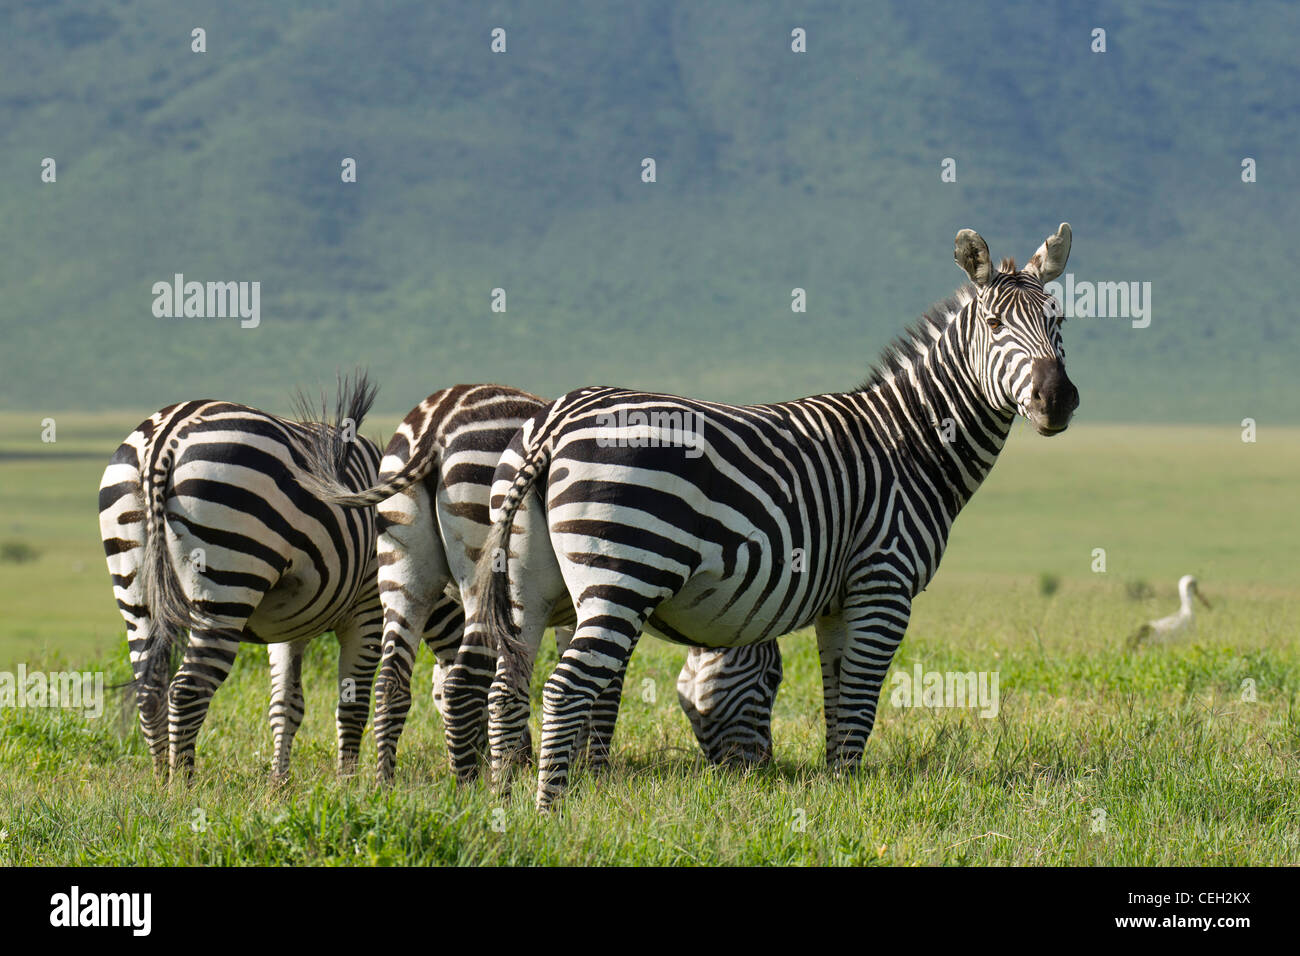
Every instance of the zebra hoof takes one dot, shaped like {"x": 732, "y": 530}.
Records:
{"x": 347, "y": 765}
{"x": 547, "y": 802}
{"x": 844, "y": 766}
{"x": 503, "y": 775}
{"x": 181, "y": 773}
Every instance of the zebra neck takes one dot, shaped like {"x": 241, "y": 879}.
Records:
{"x": 945, "y": 434}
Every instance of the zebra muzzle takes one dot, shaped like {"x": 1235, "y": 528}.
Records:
{"x": 1053, "y": 398}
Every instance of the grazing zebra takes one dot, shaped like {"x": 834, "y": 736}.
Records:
{"x": 432, "y": 492}
{"x": 719, "y": 525}
{"x": 208, "y": 528}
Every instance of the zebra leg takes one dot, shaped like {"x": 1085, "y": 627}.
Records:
{"x": 443, "y": 633}
{"x": 602, "y": 644}
{"x": 597, "y": 737}
{"x": 535, "y": 587}
{"x": 358, "y": 655}
{"x": 876, "y": 620}
{"x": 480, "y": 677}
{"x": 413, "y": 577}
{"x": 151, "y": 679}
{"x": 509, "y": 697}
{"x": 121, "y": 524}
{"x": 441, "y": 629}
{"x": 594, "y": 741}
{"x": 466, "y": 702}
{"x": 287, "y": 702}
{"x": 832, "y": 635}
{"x": 728, "y": 694}
{"x": 209, "y": 655}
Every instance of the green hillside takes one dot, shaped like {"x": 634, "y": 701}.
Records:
{"x": 522, "y": 171}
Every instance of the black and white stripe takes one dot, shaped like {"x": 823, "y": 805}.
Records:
{"x": 831, "y": 511}
{"x": 432, "y": 497}
{"x": 209, "y": 530}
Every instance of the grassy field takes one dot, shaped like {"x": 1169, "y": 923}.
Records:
{"x": 1097, "y": 755}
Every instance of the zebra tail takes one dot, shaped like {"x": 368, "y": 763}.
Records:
{"x": 169, "y": 610}
{"x": 330, "y": 488}
{"x": 492, "y": 574}
{"x": 161, "y": 668}
{"x": 327, "y": 447}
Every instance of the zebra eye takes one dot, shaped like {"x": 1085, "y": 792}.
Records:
{"x": 994, "y": 323}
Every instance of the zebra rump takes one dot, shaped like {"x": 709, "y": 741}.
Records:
{"x": 433, "y": 495}
{"x": 211, "y": 540}
{"x": 169, "y": 609}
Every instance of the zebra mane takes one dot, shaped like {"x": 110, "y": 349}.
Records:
{"x": 917, "y": 338}
{"x": 327, "y": 450}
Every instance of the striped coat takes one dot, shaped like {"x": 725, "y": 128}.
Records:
{"x": 432, "y": 498}
{"x": 725, "y": 526}
{"x": 212, "y": 540}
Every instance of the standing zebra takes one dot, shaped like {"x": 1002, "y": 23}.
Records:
{"x": 433, "y": 490}
{"x": 208, "y": 529}
{"x": 720, "y": 525}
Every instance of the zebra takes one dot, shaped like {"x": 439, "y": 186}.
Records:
{"x": 207, "y": 528}
{"x": 433, "y": 497}
{"x": 759, "y": 520}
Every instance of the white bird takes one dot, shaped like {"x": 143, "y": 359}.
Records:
{"x": 1168, "y": 627}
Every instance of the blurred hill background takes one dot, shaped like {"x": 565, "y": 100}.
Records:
{"x": 522, "y": 171}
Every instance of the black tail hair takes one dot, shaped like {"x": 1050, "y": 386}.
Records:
{"x": 492, "y": 574}
{"x": 326, "y": 450}
{"x": 126, "y": 691}
{"x": 330, "y": 446}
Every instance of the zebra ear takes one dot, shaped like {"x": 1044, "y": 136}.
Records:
{"x": 1049, "y": 261}
{"x": 972, "y": 254}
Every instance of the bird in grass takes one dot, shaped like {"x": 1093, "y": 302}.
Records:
{"x": 1169, "y": 627}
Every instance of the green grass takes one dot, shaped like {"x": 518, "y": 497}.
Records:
{"x": 1160, "y": 739}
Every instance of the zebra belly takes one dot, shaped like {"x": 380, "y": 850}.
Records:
{"x": 699, "y": 616}
{"x": 293, "y": 609}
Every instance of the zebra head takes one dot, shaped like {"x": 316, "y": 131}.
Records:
{"x": 1015, "y": 345}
